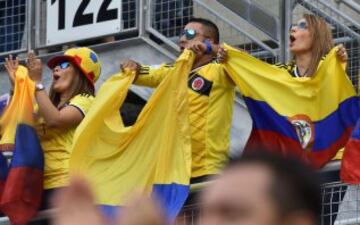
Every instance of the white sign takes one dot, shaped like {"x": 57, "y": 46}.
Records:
{"x": 72, "y": 20}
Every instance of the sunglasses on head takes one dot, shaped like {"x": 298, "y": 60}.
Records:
{"x": 302, "y": 25}
{"x": 189, "y": 33}
{"x": 63, "y": 65}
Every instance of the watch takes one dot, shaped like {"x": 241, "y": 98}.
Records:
{"x": 39, "y": 87}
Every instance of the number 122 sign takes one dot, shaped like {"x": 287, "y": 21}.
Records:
{"x": 72, "y": 20}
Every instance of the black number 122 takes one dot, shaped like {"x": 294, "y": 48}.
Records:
{"x": 81, "y": 18}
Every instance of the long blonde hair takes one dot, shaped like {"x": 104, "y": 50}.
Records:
{"x": 322, "y": 41}
{"x": 80, "y": 86}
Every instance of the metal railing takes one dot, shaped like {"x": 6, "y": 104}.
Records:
{"x": 352, "y": 4}
{"x": 12, "y": 24}
{"x": 349, "y": 209}
{"x": 167, "y": 25}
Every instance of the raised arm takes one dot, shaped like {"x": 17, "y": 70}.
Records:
{"x": 65, "y": 117}
{"x": 150, "y": 76}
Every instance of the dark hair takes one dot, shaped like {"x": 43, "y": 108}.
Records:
{"x": 82, "y": 86}
{"x": 294, "y": 186}
{"x": 213, "y": 29}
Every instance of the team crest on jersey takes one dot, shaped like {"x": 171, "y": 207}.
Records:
{"x": 198, "y": 83}
{"x": 304, "y": 129}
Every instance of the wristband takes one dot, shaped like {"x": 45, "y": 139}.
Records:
{"x": 209, "y": 49}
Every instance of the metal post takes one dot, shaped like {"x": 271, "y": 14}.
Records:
{"x": 285, "y": 23}
{"x": 37, "y": 23}
{"x": 142, "y": 12}
{"x": 29, "y": 25}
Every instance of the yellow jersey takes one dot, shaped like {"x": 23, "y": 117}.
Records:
{"x": 211, "y": 96}
{"x": 56, "y": 144}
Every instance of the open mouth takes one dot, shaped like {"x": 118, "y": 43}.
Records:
{"x": 292, "y": 38}
{"x": 56, "y": 77}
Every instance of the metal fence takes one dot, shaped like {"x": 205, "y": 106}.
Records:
{"x": 349, "y": 208}
{"x": 12, "y": 25}
{"x": 129, "y": 15}
{"x": 168, "y": 17}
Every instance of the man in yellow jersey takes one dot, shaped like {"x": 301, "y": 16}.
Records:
{"x": 211, "y": 96}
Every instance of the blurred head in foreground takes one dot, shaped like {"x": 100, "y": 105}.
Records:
{"x": 263, "y": 189}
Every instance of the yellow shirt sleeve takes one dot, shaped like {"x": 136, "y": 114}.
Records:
{"x": 82, "y": 102}
{"x": 151, "y": 76}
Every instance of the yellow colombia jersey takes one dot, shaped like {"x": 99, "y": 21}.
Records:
{"x": 293, "y": 71}
{"x": 211, "y": 95}
{"x": 56, "y": 144}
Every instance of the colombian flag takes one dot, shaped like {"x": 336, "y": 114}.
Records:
{"x": 350, "y": 172}
{"x": 23, "y": 185}
{"x": 4, "y": 170}
{"x": 151, "y": 157}
{"x": 309, "y": 117}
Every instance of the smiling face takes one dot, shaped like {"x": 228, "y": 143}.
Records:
{"x": 301, "y": 40}
{"x": 64, "y": 75}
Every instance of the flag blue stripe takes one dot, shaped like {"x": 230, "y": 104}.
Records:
{"x": 265, "y": 118}
{"x": 110, "y": 212}
{"x": 4, "y": 168}
{"x": 172, "y": 197}
{"x": 27, "y": 151}
{"x": 327, "y": 131}
{"x": 356, "y": 132}
{"x": 331, "y": 128}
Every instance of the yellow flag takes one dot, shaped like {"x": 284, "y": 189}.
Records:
{"x": 153, "y": 155}
{"x": 19, "y": 111}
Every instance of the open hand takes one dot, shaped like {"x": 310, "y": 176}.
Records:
{"x": 11, "y": 66}
{"x": 341, "y": 53}
{"x": 34, "y": 66}
{"x": 221, "y": 55}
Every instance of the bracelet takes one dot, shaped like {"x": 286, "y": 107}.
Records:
{"x": 39, "y": 87}
{"x": 209, "y": 49}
